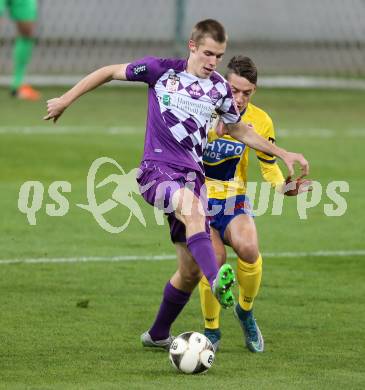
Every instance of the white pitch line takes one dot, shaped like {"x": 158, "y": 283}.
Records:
{"x": 56, "y": 130}
{"x": 59, "y": 260}
{"x": 265, "y": 81}
{"x": 319, "y": 133}
{"x": 86, "y": 259}
{"x": 115, "y": 130}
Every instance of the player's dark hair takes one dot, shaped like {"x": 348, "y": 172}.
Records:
{"x": 244, "y": 67}
{"x": 211, "y": 28}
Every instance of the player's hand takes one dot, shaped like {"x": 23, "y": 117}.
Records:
{"x": 297, "y": 186}
{"x": 55, "y": 108}
{"x": 221, "y": 129}
{"x": 290, "y": 159}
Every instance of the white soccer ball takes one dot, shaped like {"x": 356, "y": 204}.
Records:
{"x": 191, "y": 353}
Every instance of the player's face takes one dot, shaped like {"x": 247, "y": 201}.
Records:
{"x": 242, "y": 90}
{"x": 205, "y": 57}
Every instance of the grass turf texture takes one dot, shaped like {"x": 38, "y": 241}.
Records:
{"x": 310, "y": 309}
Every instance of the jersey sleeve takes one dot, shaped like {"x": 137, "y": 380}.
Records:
{"x": 228, "y": 110}
{"x": 266, "y": 130}
{"x": 272, "y": 173}
{"x": 270, "y": 170}
{"x": 147, "y": 69}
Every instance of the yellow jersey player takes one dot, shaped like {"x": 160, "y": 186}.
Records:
{"x": 226, "y": 162}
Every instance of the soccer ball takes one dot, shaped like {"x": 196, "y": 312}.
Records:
{"x": 191, "y": 353}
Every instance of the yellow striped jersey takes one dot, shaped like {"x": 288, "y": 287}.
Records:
{"x": 226, "y": 159}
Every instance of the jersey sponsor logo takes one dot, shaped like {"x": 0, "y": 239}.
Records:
{"x": 222, "y": 149}
{"x": 140, "y": 69}
{"x": 189, "y": 106}
{"x": 166, "y": 100}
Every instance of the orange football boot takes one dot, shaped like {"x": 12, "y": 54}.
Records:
{"x": 26, "y": 92}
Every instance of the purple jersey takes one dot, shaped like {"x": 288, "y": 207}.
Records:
{"x": 180, "y": 109}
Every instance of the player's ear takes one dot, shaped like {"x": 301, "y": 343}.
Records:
{"x": 192, "y": 45}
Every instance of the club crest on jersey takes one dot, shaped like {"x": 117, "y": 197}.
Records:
{"x": 172, "y": 84}
{"x": 195, "y": 90}
{"x": 139, "y": 69}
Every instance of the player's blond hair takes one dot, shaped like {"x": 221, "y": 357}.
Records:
{"x": 209, "y": 28}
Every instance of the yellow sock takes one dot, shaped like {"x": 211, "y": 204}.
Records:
{"x": 209, "y": 304}
{"x": 249, "y": 280}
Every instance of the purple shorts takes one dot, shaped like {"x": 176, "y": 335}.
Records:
{"x": 158, "y": 181}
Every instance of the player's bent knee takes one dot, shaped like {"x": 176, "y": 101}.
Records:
{"x": 247, "y": 252}
{"x": 192, "y": 278}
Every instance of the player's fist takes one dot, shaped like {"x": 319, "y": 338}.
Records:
{"x": 55, "y": 108}
{"x": 296, "y": 186}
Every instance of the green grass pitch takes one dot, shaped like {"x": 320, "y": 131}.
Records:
{"x": 310, "y": 309}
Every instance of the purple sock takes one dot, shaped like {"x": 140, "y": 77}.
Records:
{"x": 172, "y": 303}
{"x": 202, "y": 250}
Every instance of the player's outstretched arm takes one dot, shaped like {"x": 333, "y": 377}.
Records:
{"x": 56, "y": 106}
{"x": 246, "y": 134}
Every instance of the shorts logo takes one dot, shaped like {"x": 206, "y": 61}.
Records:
{"x": 242, "y": 205}
{"x": 140, "y": 69}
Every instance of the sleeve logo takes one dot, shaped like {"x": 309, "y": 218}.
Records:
{"x": 140, "y": 69}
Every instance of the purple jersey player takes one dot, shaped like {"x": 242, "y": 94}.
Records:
{"x": 182, "y": 98}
